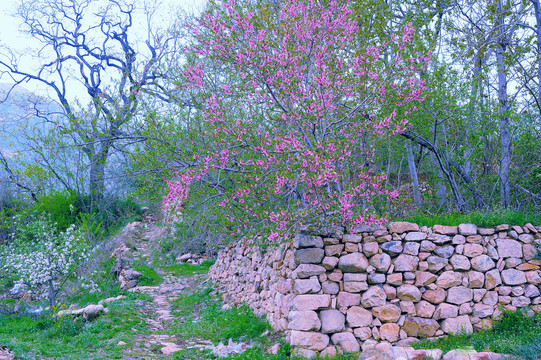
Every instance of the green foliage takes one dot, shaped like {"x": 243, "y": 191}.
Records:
{"x": 189, "y": 269}
{"x": 150, "y": 276}
{"x": 516, "y": 333}
{"x": 63, "y": 207}
{"x": 481, "y": 219}
{"x": 113, "y": 213}
{"x": 203, "y": 317}
{"x": 45, "y": 337}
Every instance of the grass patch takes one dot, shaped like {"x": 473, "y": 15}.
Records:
{"x": 150, "y": 276}
{"x": 481, "y": 219}
{"x": 515, "y": 333}
{"x": 189, "y": 269}
{"x": 69, "y": 338}
{"x": 202, "y": 317}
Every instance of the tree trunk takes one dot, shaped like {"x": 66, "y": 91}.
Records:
{"x": 98, "y": 161}
{"x": 52, "y": 292}
{"x": 538, "y": 34}
{"x": 413, "y": 174}
{"x": 505, "y": 142}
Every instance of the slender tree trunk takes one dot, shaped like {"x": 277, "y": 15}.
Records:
{"x": 441, "y": 190}
{"x": 98, "y": 161}
{"x": 413, "y": 174}
{"x": 52, "y": 292}
{"x": 537, "y": 12}
{"x": 505, "y": 141}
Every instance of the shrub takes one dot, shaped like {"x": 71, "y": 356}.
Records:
{"x": 62, "y": 206}
{"x": 39, "y": 254}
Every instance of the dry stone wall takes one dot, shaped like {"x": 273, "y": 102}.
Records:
{"x": 384, "y": 284}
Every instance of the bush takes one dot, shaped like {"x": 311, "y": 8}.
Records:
{"x": 63, "y": 207}
{"x": 482, "y": 219}
{"x": 39, "y": 254}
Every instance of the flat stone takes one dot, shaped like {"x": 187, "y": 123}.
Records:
{"x": 392, "y": 247}
{"x": 312, "y": 302}
{"x": 310, "y": 340}
{"x": 330, "y": 262}
{"x": 436, "y": 263}
{"x": 352, "y": 238}
{"x": 459, "y": 295}
{"x": 473, "y": 250}
{"x": 445, "y": 251}
{"x": 370, "y": 248}
{"x": 308, "y": 241}
{"x": 381, "y": 262}
{"x": 449, "y": 279}
{"x": 406, "y": 263}
{"x": 332, "y": 321}
{"x": 476, "y": 279}
{"x": 333, "y": 250}
{"x": 436, "y": 296}
{"x": 401, "y": 227}
{"x": 330, "y": 287}
{"x": 509, "y": 248}
{"x": 305, "y": 286}
{"x": 345, "y": 300}
{"x": 303, "y": 320}
{"x": 482, "y": 263}
{"x": 395, "y": 279}
{"x": 482, "y": 311}
{"x": 445, "y": 230}
{"x": 424, "y": 278}
{"x": 408, "y": 292}
{"x": 309, "y": 270}
{"x": 513, "y": 277}
{"x": 374, "y": 296}
{"x": 415, "y": 236}
{"x": 492, "y": 279}
{"x": 445, "y": 310}
{"x": 355, "y": 262}
{"x": 346, "y": 341}
{"x": 358, "y": 317}
{"x": 389, "y": 332}
{"x": 420, "y": 327}
{"x": 387, "y": 313}
{"x": 424, "y": 309}
{"x": 467, "y": 229}
{"x": 458, "y": 325}
{"x": 460, "y": 262}
{"x": 412, "y": 248}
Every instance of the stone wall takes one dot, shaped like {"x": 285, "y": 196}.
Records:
{"x": 385, "y": 284}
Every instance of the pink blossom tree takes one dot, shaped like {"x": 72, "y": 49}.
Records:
{"x": 286, "y": 140}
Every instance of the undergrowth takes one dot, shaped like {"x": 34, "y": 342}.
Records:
{"x": 481, "y": 219}
{"x": 516, "y": 333}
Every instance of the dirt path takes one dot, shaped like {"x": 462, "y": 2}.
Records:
{"x": 158, "y": 312}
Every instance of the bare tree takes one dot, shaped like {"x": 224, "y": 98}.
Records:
{"x": 92, "y": 42}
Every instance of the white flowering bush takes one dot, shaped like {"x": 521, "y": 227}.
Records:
{"x": 39, "y": 254}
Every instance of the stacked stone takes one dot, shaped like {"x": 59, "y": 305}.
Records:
{"x": 387, "y": 285}
{"x": 404, "y": 282}
{"x": 262, "y": 280}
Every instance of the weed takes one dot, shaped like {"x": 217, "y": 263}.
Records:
{"x": 189, "y": 269}
{"x": 481, "y": 219}
{"x": 150, "y": 276}
{"x": 516, "y": 333}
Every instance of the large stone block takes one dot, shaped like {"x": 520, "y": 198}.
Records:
{"x": 459, "y": 295}
{"x": 407, "y": 292}
{"x": 420, "y": 327}
{"x": 346, "y": 341}
{"x": 513, "y": 277}
{"x": 303, "y": 321}
{"x": 309, "y": 340}
{"x": 387, "y": 313}
{"x": 355, "y": 262}
{"x": 332, "y": 321}
{"x": 509, "y": 248}
{"x": 401, "y": 227}
{"x": 406, "y": 263}
{"x": 458, "y": 325}
{"x": 312, "y": 302}
{"x": 381, "y": 262}
{"x": 374, "y": 296}
{"x": 359, "y": 317}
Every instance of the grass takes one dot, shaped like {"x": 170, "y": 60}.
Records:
{"x": 189, "y": 269}
{"x": 481, "y": 219}
{"x": 202, "y": 317}
{"x": 150, "y": 276}
{"x": 515, "y": 333}
{"x": 68, "y": 338}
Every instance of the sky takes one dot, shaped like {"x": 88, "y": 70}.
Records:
{"x": 12, "y": 38}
